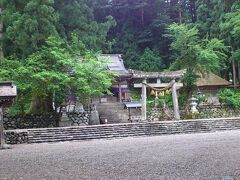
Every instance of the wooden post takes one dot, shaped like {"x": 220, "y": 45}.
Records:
{"x": 175, "y": 101}
{"x": 2, "y": 141}
{"x": 144, "y": 100}
{"x": 234, "y": 74}
{"x": 120, "y": 92}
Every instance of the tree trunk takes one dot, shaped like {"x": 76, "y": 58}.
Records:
{"x": 1, "y": 36}
{"x": 234, "y": 74}
{"x": 180, "y": 11}
{"x": 142, "y": 16}
{"x": 238, "y": 71}
{"x": 193, "y": 10}
{"x": 41, "y": 104}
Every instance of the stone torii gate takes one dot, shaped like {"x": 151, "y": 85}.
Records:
{"x": 144, "y": 76}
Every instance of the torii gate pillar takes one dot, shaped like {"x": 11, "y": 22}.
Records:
{"x": 144, "y": 100}
{"x": 175, "y": 101}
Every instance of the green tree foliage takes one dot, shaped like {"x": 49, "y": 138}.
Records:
{"x": 134, "y": 28}
{"x": 229, "y": 97}
{"x": 78, "y": 16}
{"x": 194, "y": 54}
{"x": 28, "y": 25}
{"x": 93, "y": 76}
{"x": 14, "y": 70}
{"x": 150, "y": 62}
{"x": 209, "y": 16}
{"x": 142, "y": 23}
{"x": 231, "y": 26}
{"x": 47, "y": 71}
{"x": 230, "y": 31}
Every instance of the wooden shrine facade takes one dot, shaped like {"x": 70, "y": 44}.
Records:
{"x": 121, "y": 86}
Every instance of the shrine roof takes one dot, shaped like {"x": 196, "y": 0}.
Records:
{"x": 115, "y": 64}
{"x": 212, "y": 79}
{"x": 150, "y": 75}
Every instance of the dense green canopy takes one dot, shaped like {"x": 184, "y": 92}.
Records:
{"x": 45, "y": 39}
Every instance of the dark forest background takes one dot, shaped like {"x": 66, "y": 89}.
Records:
{"x": 152, "y": 35}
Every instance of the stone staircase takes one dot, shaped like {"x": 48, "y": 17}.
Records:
{"x": 112, "y": 111}
{"x": 86, "y": 132}
{"x": 127, "y": 130}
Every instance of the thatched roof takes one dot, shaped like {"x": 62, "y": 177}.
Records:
{"x": 151, "y": 75}
{"x": 115, "y": 65}
{"x": 212, "y": 79}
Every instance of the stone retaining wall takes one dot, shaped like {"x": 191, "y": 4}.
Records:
{"x": 215, "y": 112}
{"x": 205, "y": 112}
{"x": 121, "y": 130}
{"x": 16, "y": 136}
{"x": 31, "y": 121}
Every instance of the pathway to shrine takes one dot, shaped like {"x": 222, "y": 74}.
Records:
{"x": 189, "y": 156}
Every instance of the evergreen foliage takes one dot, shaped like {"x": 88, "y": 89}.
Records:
{"x": 46, "y": 40}
{"x": 28, "y": 25}
{"x": 150, "y": 62}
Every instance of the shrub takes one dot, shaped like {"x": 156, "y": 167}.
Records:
{"x": 229, "y": 97}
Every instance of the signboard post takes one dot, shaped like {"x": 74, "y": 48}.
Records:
{"x": 8, "y": 92}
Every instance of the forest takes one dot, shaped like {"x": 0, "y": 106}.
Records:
{"x": 43, "y": 40}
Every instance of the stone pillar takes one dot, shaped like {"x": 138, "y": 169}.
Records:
{"x": 175, "y": 101}
{"x": 156, "y": 99}
{"x": 2, "y": 139}
{"x": 94, "y": 118}
{"x": 1, "y": 128}
{"x": 144, "y": 100}
{"x": 120, "y": 92}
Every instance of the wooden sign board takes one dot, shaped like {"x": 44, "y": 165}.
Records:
{"x": 7, "y": 90}
{"x": 135, "y": 118}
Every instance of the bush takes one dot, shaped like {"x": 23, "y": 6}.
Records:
{"x": 229, "y": 97}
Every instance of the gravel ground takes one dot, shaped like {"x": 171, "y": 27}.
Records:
{"x": 188, "y": 156}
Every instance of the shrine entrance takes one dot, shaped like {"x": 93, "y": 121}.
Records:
{"x": 158, "y": 87}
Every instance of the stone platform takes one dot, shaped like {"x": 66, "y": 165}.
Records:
{"x": 120, "y": 130}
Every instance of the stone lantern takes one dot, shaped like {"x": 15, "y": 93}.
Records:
{"x": 8, "y": 93}
{"x": 193, "y": 105}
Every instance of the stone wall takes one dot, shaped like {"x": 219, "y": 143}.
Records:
{"x": 31, "y": 121}
{"x": 121, "y": 130}
{"x": 160, "y": 114}
{"x": 16, "y": 136}
{"x": 79, "y": 118}
{"x": 206, "y": 112}
{"x": 215, "y": 112}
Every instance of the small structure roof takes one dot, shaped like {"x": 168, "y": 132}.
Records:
{"x": 132, "y": 104}
{"x": 115, "y": 64}
{"x": 150, "y": 75}
{"x": 212, "y": 79}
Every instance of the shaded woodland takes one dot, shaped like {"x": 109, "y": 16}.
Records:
{"x": 44, "y": 39}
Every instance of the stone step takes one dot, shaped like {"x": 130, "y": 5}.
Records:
{"x": 56, "y": 134}
{"x": 76, "y": 134}
{"x": 55, "y": 139}
{"x": 86, "y": 133}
